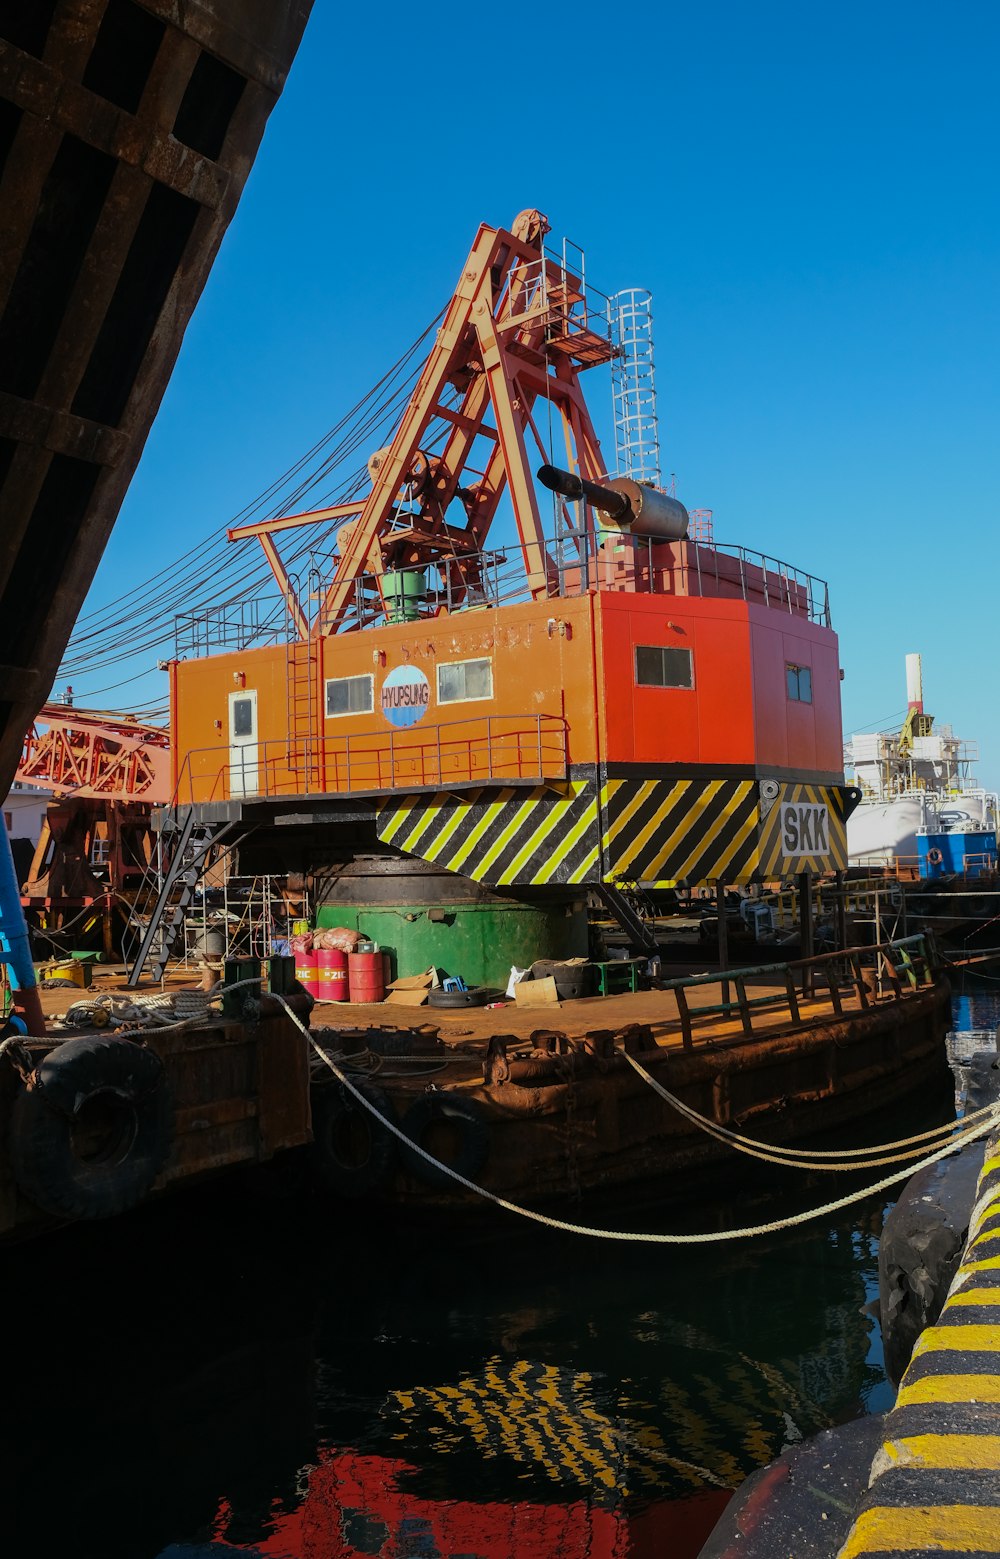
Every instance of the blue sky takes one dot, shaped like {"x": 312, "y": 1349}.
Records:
{"x": 810, "y": 193}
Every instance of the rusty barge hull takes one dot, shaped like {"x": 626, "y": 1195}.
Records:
{"x": 600, "y": 1127}
{"x": 238, "y": 1094}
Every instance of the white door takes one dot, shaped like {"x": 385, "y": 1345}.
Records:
{"x": 243, "y": 755}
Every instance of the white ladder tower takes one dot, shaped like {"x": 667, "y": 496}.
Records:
{"x": 637, "y": 438}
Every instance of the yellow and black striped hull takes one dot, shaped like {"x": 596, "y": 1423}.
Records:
{"x": 658, "y": 832}
{"x": 502, "y": 835}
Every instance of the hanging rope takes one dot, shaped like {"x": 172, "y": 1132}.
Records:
{"x": 845, "y": 1159}
{"x": 627, "y": 1236}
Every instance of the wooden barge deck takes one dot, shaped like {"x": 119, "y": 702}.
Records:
{"x": 543, "y": 1113}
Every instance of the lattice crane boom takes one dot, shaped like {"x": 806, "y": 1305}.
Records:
{"x": 93, "y": 753}
{"x": 520, "y": 327}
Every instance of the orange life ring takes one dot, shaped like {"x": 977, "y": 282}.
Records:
{"x": 934, "y": 856}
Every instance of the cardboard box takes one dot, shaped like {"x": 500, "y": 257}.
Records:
{"x": 411, "y": 990}
{"x": 536, "y": 993}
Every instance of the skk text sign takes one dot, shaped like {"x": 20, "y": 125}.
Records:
{"x": 805, "y": 828}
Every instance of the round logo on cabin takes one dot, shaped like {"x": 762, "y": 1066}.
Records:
{"x": 406, "y": 695}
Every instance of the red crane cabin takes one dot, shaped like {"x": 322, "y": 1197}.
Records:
{"x": 612, "y": 702}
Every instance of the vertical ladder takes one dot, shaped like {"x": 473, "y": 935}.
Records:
{"x": 301, "y": 660}
{"x": 189, "y": 858}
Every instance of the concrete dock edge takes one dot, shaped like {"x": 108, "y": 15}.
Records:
{"x": 935, "y": 1480}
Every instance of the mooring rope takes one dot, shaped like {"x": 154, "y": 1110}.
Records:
{"x": 967, "y": 1134}
{"x": 808, "y": 1158}
{"x": 624, "y": 1235}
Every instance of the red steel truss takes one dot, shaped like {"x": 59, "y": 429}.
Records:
{"x": 88, "y": 752}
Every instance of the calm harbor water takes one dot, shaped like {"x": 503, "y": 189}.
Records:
{"x": 253, "y": 1371}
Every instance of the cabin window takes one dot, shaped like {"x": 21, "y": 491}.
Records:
{"x": 461, "y": 680}
{"x": 349, "y": 696}
{"x": 242, "y": 716}
{"x": 659, "y": 665}
{"x": 799, "y": 682}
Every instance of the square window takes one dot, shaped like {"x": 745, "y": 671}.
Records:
{"x": 460, "y": 680}
{"x": 349, "y": 696}
{"x": 659, "y": 665}
{"x": 242, "y": 716}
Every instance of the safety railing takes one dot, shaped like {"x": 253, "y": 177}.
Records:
{"x": 579, "y": 564}
{"x": 553, "y": 292}
{"x": 898, "y": 968}
{"x": 856, "y": 896}
{"x": 230, "y": 625}
{"x": 504, "y": 749}
{"x": 981, "y": 863}
{"x": 575, "y": 563}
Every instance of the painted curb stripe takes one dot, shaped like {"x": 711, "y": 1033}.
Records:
{"x": 950, "y": 1529}
{"x": 981, "y": 1339}
{"x": 934, "y": 1484}
{"x": 979, "y": 1453}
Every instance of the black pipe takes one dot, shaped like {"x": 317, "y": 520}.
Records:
{"x": 568, "y": 485}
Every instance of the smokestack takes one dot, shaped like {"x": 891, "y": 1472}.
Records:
{"x": 914, "y": 684}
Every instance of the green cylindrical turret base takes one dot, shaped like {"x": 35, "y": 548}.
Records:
{"x": 423, "y": 915}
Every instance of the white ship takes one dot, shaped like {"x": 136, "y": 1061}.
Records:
{"x": 921, "y": 806}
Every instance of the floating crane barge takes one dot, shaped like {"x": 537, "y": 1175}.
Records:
{"x": 600, "y": 700}
{"x": 468, "y": 729}
{"x": 475, "y": 720}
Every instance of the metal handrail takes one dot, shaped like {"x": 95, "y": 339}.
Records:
{"x": 904, "y": 962}
{"x": 523, "y": 748}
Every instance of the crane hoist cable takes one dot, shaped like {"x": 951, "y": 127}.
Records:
{"x": 100, "y": 631}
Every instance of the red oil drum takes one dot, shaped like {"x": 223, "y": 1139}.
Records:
{"x": 307, "y": 972}
{"x": 366, "y": 977}
{"x": 332, "y": 969}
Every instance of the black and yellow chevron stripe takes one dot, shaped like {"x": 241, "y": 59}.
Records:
{"x": 660, "y": 832}
{"x": 502, "y": 836}
{"x": 653, "y": 831}
{"x": 773, "y": 862}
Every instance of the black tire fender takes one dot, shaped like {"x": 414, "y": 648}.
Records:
{"x": 89, "y": 1137}
{"x": 352, "y": 1154}
{"x": 473, "y": 1138}
{"x": 478, "y": 996}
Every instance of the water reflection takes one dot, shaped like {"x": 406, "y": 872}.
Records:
{"x": 223, "y": 1375}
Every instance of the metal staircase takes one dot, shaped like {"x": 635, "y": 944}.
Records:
{"x": 629, "y": 916}
{"x": 171, "y": 890}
